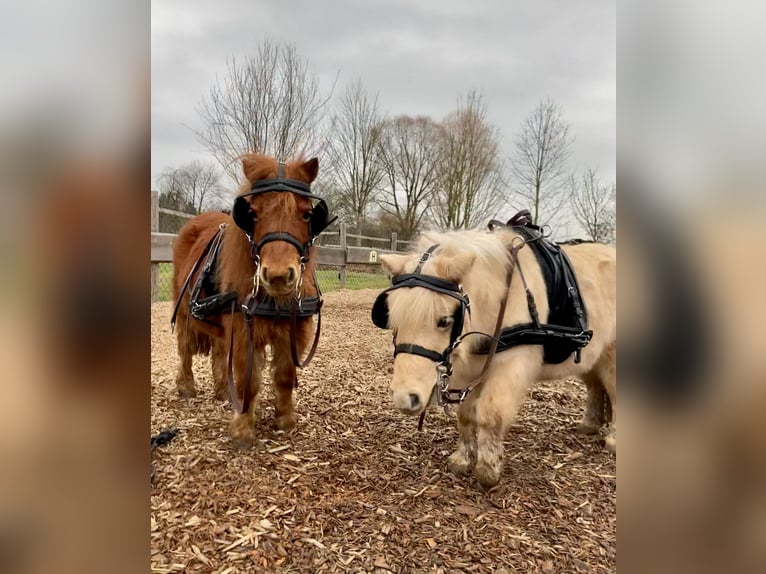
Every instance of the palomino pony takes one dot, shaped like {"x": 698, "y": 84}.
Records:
{"x": 247, "y": 281}
{"x": 465, "y": 308}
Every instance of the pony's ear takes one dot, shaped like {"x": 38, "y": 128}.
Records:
{"x": 311, "y": 168}
{"x": 394, "y": 263}
{"x": 455, "y": 267}
{"x": 250, "y": 166}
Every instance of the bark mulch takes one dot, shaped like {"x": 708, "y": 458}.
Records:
{"x": 356, "y": 488}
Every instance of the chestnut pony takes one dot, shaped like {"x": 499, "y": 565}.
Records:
{"x": 255, "y": 287}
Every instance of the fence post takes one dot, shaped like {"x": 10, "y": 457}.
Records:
{"x": 343, "y": 246}
{"x": 155, "y": 227}
{"x": 394, "y": 237}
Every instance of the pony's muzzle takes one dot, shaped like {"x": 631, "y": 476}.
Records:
{"x": 410, "y": 403}
{"x": 279, "y": 281}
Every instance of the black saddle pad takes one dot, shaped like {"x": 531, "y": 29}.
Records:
{"x": 562, "y": 289}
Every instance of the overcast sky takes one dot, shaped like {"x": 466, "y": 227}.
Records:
{"x": 419, "y": 56}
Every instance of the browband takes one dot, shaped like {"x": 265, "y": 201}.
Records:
{"x": 281, "y": 184}
{"x": 429, "y": 282}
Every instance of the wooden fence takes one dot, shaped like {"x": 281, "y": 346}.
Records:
{"x": 340, "y": 255}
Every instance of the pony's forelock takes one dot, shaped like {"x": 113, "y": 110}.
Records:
{"x": 418, "y": 308}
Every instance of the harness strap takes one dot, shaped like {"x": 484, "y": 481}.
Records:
{"x": 247, "y": 391}
{"x": 418, "y": 350}
{"x": 187, "y": 281}
{"x": 243, "y": 406}
{"x": 282, "y": 236}
{"x": 430, "y": 282}
{"x": 462, "y": 393}
{"x": 233, "y": 394}
{"x": 425, "y": 257}
{"x": 530, "y": 334}
{"x": 294, "y": 336}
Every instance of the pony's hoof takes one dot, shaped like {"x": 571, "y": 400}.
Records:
{"x": 610, "y": 442}
{"x": 242, "y": 432}
{"x": 487, "y": 476}
{"x": 187, "y": 392}
{"x": 458, "y": 464}
{"x": 242, "y": 442}
{"x": 286, "y": 422}
{"x": 588, "y": 427}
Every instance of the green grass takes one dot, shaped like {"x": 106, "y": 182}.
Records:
{"x": 165, "y": 282}
{"x": 328, "y": 280}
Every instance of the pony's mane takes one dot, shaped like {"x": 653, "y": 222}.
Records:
{"x": 410, "y": 310}
{"x": 257, "y": 166}
{"x": 490, "y": 248}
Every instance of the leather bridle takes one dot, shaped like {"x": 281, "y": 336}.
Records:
{"x": 444, "y": 394}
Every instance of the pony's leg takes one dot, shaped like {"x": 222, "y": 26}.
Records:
{"x": 187, "y": 348}
{"x": 607, "y": 372}
{"x": 496, "y": 409}
{"x": 242, "y": 425}
{"x": 284, "y": 377}
{"x": 218, "y": 357}
{"x": 464, "y": 457}
{"x": 594, "y": 410}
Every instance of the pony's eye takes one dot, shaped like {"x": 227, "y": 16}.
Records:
{"x": 445, "y": 322}
{"x": 306, "y": 216}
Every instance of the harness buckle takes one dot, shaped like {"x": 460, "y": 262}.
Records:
{"x": 442, "y": 382}
{"x": 257, "y": 275}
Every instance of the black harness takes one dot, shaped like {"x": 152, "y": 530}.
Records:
{"x": 245, "y": 217}
{"x": 565, "y": 307}
{"x": 257, "y": 303}
{"x": 436, "y": 284}
{"x": 566, "y": 329}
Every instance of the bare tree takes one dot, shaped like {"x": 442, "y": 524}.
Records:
{"x": 593, "y": 206}
{"x": 471, "y": 178}
{"x": 409, "y": 153}
{"x": 353, "y": 153}
{"x": 539, "y": 166}
{"x": 193, "y": 186}
{"x": 267, "y": 103}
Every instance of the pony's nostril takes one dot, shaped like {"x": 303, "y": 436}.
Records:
{"x": 290, "y": 275}
{"x": 265, "y": 274}
{"x": 414, "y": 401}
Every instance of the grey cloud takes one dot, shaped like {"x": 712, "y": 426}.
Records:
{"x": 418, "y": 55}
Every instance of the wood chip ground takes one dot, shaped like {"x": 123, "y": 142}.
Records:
{"x": 356, "y": 488}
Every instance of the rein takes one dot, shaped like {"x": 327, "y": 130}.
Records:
{"x": 462, "y": 393}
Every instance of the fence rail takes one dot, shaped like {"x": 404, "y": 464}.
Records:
{"x": 336, "y": 255}
{"x": 176, "y": 213}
